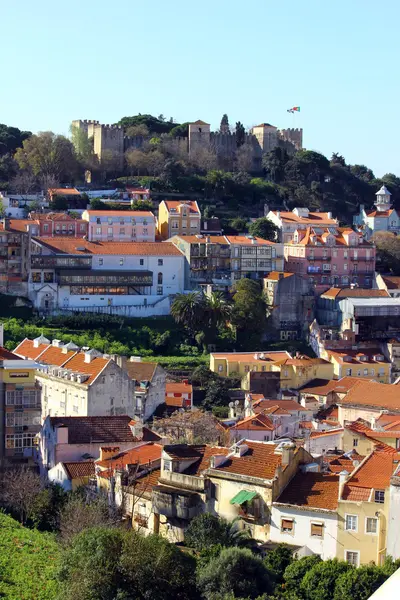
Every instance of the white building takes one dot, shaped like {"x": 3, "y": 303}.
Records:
{"x": 79, "y": 383}
{"x": 18, "y": 205}
{"x": 319, "y": 442}
{"x": 393, "y": 537}
{"x": 67, "y": 439}
{"x": 305, "y": 514}
{"x": 149, "y": 386}
{"x": 288, "y": 222}
{"x": 131, "y": 279}
{"x": 382, "y": 218}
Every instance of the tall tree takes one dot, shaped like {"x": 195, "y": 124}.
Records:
{"x": 48, "y": 155}
{"x": 11, "y": 138}
{"x": 207, "y": 530}
{"x": 264, "y": 228}
{"x": 188, "y": 310}
{"x": 240, "y": 134}
{"x": 224, "y": 126}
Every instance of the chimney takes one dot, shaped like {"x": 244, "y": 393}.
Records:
{"x": 248, "y": 405}
{"x": 217, "y": 460}
{"x": 108, "y": 452}
{"x": 329, "y": 215}
{"x": 57, "y": 343}
{"x": 135, "y": 359}
{"x": 136, "y": 427}
{"x": 287, "y": 454}
{"x": 342, "y": 480}
{"x": 1, "y": 335}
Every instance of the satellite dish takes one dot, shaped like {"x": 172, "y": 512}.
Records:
{"x": 230, "y": 404}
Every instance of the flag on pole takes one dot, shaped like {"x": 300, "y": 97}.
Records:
{"x": 293, "y": 109}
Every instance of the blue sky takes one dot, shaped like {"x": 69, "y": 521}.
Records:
{"x": 101, "y": 60}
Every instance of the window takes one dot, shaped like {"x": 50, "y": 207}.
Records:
{"x": 379, "y": 496}
{"x": 48, "y": 277}
{"x": 122, "y": 231}
{"x": 160, "y": 262}
{"x": 345, "y": 267}
{"x": 100, "y": 262}
{"x": 98, "y": 230}
{"x": 121, "y": 262}
{"x": 159, "y": 290}
{"x": 372, "y": 371}
{"x": 287, "y": 526}
{"x": 214, "y": 491}
{"x": 355, "y": 443}
{"x": 352, "y": 558}
{"x": 220, "y": 368}
{"x": 193, "y": 223}
{"x": 365, "y": 371}
{"x": 351, "y": 523}
{"x": 345, "y": 254}
{"x": 167, "y": 465}
{"x": 46, "y": 227}
{"x": 36, "y": 277}
{"x": 348, "y": 372}
{"x": 184, "y": 223}
{"x": 317, "y": 529}
{"x": 98, "y": 221}
{"x": 145, "y": 231}
{"x": 371, "y": 525}
{"x": 82, "y": 227}
{"x": 160, "y": 278}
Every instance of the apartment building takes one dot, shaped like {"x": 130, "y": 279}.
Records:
{"x": 52, "y": 224}
{"x": 331, "y": 256}
{"x": 207, "y": 259}
{"x": 328, "y": 308}
{"x": 240, "y": 363}
{"x": 120, "y": 226}
{"x": 16, "y": 206}
{"x": 288, "y": 222}
{"x": 381, "y": 218}
{"x": 132, "y": 279}
{"x": 78, "y": 382}
{"x": 368, "y": 363}
{"x": 14, "y": 259}
{"x": 363, "y": 509}
{"x": 20, "y": 410}
{"x": 254, "y": 257}
{"x": 290, "y": 304}
{"x": 367, "y": 400}
{"x": 149, "y": 380}
{"x": 178, "y": 218}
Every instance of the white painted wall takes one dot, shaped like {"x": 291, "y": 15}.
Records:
{"x": 393, "y": 535}
{"x": 325, "y": 546}
{"x": 320, "y": 445}
{"x": 249, "y": 434}
{"x": 58, "y": 475}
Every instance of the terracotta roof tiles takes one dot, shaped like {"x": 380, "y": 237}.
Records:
{"x": 312, "y": 490}
{"x": 141, "y": 455}
{"x": 258, "y": 422}
{"x": 373, "y": 473}
{"x": 79, "y": 246}
{"x": 26, "y": 349}
{"x": 370, "y": 393}
{"x": 75, "y": 470}
{"x": 99, "y": 430}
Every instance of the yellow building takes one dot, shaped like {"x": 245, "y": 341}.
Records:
{"x": 177, "y": 217}
{"x": 360, "y": 436}
{"x": 363, "y": 509}
{"x": 368, "y": 364}
{"x": 294, "y": 372}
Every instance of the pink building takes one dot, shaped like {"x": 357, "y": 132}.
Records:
{"x": 120, "y": 226}
{"x": 52, "y": 224}
{"x": 331, "y": 256}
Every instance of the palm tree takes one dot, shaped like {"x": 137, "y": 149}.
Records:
{"x": 218, "y": 309}
{"x": 188, "y": 310}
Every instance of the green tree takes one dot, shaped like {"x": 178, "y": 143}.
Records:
{"x": 238, "y": 224}
{"x": 154, "y": 125}
{"x": 224, "y": 126}
{"x": 249, "y": 309}
{"x": 45, "y": 511}
{"x": 320, "y": 581}
{"x": 59, "y": 203}
{"x": 387, "y": 252}
{"x": 206, "y": 531}
{"x": 180, "y": 130}
{"x": 296, "y": 570}
{"x": 188, "y": 310}
{"x": 235, "y": 571}
{"x": 137, "y": 130}
{"x": 202, "y": 376}
{"x": 216, "y": 394}
{"x": 265, "y": 229}
{"x": 142, "y": 205}
{"x": 48, "y": 155}
{"x": 278, "y": 560}
{"x": 240, "y": 134}
{"x": 11, "y": 138}
{"x": 98, "y": 204}
{"x": 217, "y": 310}
{"x": 359, "y": 584}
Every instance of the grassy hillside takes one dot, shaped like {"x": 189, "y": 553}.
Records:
{"x": 27, "y": 562}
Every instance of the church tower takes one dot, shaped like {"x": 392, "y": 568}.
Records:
{"x": 382, "y": 201}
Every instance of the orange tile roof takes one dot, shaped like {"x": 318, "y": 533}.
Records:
{"x": 303, "y": 361}
{"x": 147, "y": 482}
{"x": 259, "y": 461}
{"x": 245, "y": 241}
{"x": 318, "y": 434}
{"x": 72, "y": 246}
{"x": 306, "y": 425}
{"x": 213, "y": 239}
{"x": 20, "y": 224}
{"x": 191, "y": 204}
{"x": 93, "y": 369}
{"x": 120, "y": 213}
{"x": 354, "y": 293}
{"x": 55, "y": 356}
{"x": 369, "y": 393}
{"x": 288, "y": 405}
{"x": 312, "y": 490}
{"x": 174, "y": 402}
{"x": 179, "y": 388}
{"x": 64, "y": 192}
{"x": 27, "y": 349}
{"x": 340, "y": 386}
{"x": 272, "y": 356}
{"x": 143, "y": 454}
{"x": 392, "y": 282}
{"x": 380, "y": 213}
{"x": 53, "y": 216}
{"x": 76, "y": 470}
{"x": 276, "y": 275}
{"x": 355, "y": 356}
{"x": 99, "y": 430}
{"x": 254, "y": 423}
{"x": 360, "y": 426}
{"x": 337, "y": 464}
{"x": 316, "y": 218}
{"x": 373, "y": 473}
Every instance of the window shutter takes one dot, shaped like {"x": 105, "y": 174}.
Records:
{"x": 316, "y": 529}
{"x": 287, "y": 525}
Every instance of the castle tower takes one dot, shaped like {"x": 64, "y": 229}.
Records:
{"x": 266, "y": 135}
{"x": 382, "y": 201}
{"x": 199, "y": 135}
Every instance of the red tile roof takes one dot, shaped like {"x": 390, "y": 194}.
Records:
{"x": 26, "y": 349}
{"x": 373, "y": 473}
{"x": 96, "y": 430}
{"x": 259, "y": 461}
{"x": 191, "y": 204}
{"x": 318, "y": 434}
{"x": 337, "y": 464}
{"x": 354, "y": 293}
{"x": 204, "y": 239}
{"x": 75, "y": 470}
{"x": 63, "y": 192}
{"x": 55, "y": 356}
{"x": 141, "y": 455}
{"x": 312, "y": 490}
{"x": 178, "y": 388}
{"x": 314, "y": 218}
{"x": 351, "y": 357}
{"x": 289, "y": 405}
{"x": 77, "y": 246}
{"x": 369, "y": 393}
{"x": 141, "y": 371}
{"x": 255, "y": 423}
{"x": 276, "y": 275}
{"x": 392, "y": 282}
{"x": 119, "y": 213}
{"x": 245, "y": 241}
{"x": 147, "y": 482}
{"x": 380, "y": 213}
{"x": 93, "y": 369}
{"x": 340, "y": 386}
{"x": 269, "y": 357}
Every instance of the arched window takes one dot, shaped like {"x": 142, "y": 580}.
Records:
{"x": 159, "y": 279}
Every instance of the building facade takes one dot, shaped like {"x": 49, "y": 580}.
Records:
{"x": 120, "y": 226}
{"x": 382, "y": 218}
{"x": 288, "y": 222}
{"x": 331, "y": 257}
{"x": 178, "y": 218}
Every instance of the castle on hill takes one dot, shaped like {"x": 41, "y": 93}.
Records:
{"x": 261, "y": 139}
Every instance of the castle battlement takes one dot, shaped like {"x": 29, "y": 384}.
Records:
{"x": 90, "y": 122}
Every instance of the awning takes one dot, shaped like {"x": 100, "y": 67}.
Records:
{"x": 242, "y": 497}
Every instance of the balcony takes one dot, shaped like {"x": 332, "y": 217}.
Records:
{"x": 171, "y": 503}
